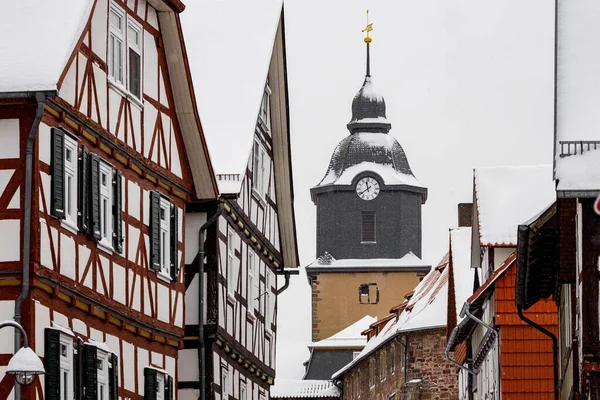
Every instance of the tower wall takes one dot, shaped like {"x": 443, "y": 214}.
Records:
{"x": 398, "y": 224}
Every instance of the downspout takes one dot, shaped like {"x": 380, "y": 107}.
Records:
{"x": 447, "y": 353}
{"x": 201, "y": 253}
{"x": 29, "y": 149}
{"x": 286, "y": 284}
{"x": 405, "y": 345}
{"x": 554, "y": 347}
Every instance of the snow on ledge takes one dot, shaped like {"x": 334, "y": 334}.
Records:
{"x": 408, "y": 260}
{"x": 298, "y": 389}
{"x": 347, "y": 337}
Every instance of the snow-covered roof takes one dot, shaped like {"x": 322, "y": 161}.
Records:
{"x": 507, "y": 196}
{"x": 347, "y": 337}
{"x": 426, "y": 309}
{"x": 460, "y": 242}
{"x": 296, "y": 388}
{"x": 229, "y": 46}
{"x": 36, "y": 41}
{"x": 409, "y": 261}
{"x": 579, "y": 172}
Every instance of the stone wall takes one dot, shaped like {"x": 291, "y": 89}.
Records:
{"x": 422, "y": 373}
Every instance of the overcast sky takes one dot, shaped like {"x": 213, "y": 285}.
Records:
{"x": 467, "y": 83}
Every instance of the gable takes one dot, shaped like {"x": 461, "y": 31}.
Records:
{"x": 120, "y": 79}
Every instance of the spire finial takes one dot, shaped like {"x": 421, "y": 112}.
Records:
{"x": 368, "y": 40}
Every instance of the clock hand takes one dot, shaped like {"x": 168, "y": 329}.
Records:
{"x": 364, "y": 191}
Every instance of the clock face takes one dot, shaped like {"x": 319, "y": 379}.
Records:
{"x": 367, "y": 188}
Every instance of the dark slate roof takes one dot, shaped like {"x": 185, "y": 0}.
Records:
{"x": 368, "y": 110}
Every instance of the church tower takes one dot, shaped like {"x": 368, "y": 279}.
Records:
{"x": 368, "y": 221}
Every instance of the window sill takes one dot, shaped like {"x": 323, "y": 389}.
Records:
{"x": 230, "y": 298}
{"x": 70, "y": 226}
{"x": 368, "y": 242}
{"x": 163, "y": 276}
{"x": 260, "y": 198}
{"x": 122, "y": 90}
{"x": 269, "y": 334}
{"x": 250, "y": 316}
{"x": 106, "y": 246}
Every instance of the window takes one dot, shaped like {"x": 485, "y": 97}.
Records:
{"x": 382, "y": 366}
{"x": 70, "y": 181}
{"x": 252, "y": 281}
{"x": 230, "y": 263}
{"x": 243, "y": 393}
{"x": 224, "y": 382}
{"x": 102, "y": 375}
{"x": 115, "y": 43}
{"x": 66, "y": 366}
{"x": 368, "y": 293}
{"x": 134, "y": 57}
{"x": 165, "y": 261}
{"x": 106, "y": 222}
{"x": 260, "y": 170}
{"x": 157, "y": 385}
{"x": 265, "y": 108}
{"x": 164, "y": 237}
{"x": 268, "y": 306}
{"x": 121, "y": 57}
{"x": 368, "y": 227}
{"x": 160, "y": 386}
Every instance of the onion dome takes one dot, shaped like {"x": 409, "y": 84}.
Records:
{"x": 368, "y": 110}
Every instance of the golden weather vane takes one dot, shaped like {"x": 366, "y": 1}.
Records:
{"x": 368, "y": 29}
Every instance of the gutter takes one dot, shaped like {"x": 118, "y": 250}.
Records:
{"x": 554, "y": 347}
{"x": 287, "y": 273}
{"x": 40, "y": 97}
{"x": 201, "y": 254}
{"x": 454, "y": 362}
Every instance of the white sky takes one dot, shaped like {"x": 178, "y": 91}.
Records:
{"x": 467, "y": 83}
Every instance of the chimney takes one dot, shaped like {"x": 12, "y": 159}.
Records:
{"x": 465, "y": 215}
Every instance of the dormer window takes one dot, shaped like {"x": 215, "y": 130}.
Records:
{"x": 125, "y": 51}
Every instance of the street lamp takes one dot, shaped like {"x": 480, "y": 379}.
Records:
{"x": 25, "y": 365}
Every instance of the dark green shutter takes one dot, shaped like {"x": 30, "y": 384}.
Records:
{"x": 118, "y": 213}
{"x": 57, "y": 169}
{"x": 95, "y": 196}
{"x": 154, "y": 231}
{"x": 150, "y": 384}
{"x": 78, "y": 362}
{"x": 174, "y": 241}
{"x": 84, "y": 190}
{"x": 113, "y": 377}
{"x": 90, "y": 372}
{"x": 52, "y": 363}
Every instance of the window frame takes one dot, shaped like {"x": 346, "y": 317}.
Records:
{"x": 160, "y": 386}
{"x": 102, "y": 375}
{"x": 70, "y": 193}
{"x": 165, "y": 237}
{"x": 136, "y": 48}
{"x": 252, "y": 282}
{"x": 224, "y": 381}
{"x": 260, "y": 184}
{"x": 119, "y": 34}
{"x": 243, "y": 391}
{"x": 66, "y": 365}
{"x": 264, "y": 113}
{"x": 267, "y": 310}
{"x": 106, "y": 215}
{"x": 230, "y": 261}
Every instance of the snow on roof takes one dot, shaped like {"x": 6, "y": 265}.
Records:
{"x": 347, "y": 337}
{"x": 408, "y": 260}
{"x": 229, "y": 46}
{"x": 579, "y": 171}
{"x": 425, "y": 310}
{"x": 507, "y": 196}
{"x": 460, "y": 242}
{"x": 36, "y": 41}
{"x": 296, "y": 388}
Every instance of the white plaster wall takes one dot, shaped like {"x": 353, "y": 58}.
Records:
{"x": 149, "y": 123}
{"x": 152, "y": 17}
{"x": 191, "y": 301}
{"x": 84, "y": 255}
{"x": 60, "y": 320}
{"x": 9, "y": 137}
{"x": 135, "y": 288}
{"x": 157, "y": 359}
{"x": 187, "y": 365}
{"x": 193, "y": 223}
{"x": 147, "y": 306}
{"x": 105, "y": 271}
{"x": 163, "y": 303}
{"x": 142, "y": 8}
{"x": 136, "y": 122}
{"x": 133, "y": 200}
{"x": 146, "y": 199}
{"x": 42, "y": 321}
{"x": 99, "y": 27}
{"x": 143, "y": 361}
{"x": 101, "y": 91}
{"x": 45, "y": 183}
{"x": 96, "y": 335}
{"x": 133, "y": 237}
{"x": 128, "y": 361}
{"x": 79, "y": 326}
{"x": 501, "y": 254}
{"x": 15, "y": 201}
{"x": 67, "y": 256}
{"x": 114, "y": 101}
{"x": 119, "y": 283}
{"x": 7, "y": 312}
{"x": 67, "y": 89}
{"x": 10, "y": 237}
{"x": 82, "y": 60}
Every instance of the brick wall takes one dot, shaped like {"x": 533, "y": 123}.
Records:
{"x": 427, "y": 375}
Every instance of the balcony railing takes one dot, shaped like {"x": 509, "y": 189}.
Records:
{"x": 228, "y": 177}
{"x": 574, "y": 147}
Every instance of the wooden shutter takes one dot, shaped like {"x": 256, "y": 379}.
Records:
{"x": 118, "y": 213}
{"x": 368, "y": 231}
{"x": 52, "y": 363}
{"x": 95, "y": 196}
{"x": 150, "y": 386}
{"x": 84, "y": 190}
{"x": 113, "y": 377}
{"x": 174, "y": 242}
{"x": 57, "y": 169}
{"x": 90, "y": 372}
{"x": 78, "y": 363}
{"x": 154, "y": 231}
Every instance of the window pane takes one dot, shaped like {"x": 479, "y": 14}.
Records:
{"x": 68, "y": 194}
{"x": 119, "y": 60}
{"x": 116, "y": 20}
{"x": 104, "y": 216}
{"x": 135, "y": 74}
{"x": 133, "y": 35}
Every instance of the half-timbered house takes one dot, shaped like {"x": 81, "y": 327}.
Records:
{"x": 238, "y": 67}
{"x": 101, "y": 150}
